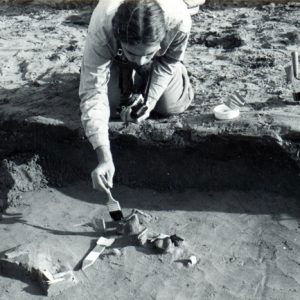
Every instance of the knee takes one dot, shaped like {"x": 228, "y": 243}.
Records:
{"x": 168, "y": 110}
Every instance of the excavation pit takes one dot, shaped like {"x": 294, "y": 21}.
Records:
{"x": 230, "y": 188}
{"x": 233, "y": 199}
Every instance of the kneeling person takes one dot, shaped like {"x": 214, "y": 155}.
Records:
{"x": 132, "y": 65}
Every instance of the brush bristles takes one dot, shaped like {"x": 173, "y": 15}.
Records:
{"x": 116, "y": 215}
{"x": 113, "y": 206}
{"x": 114, "y": 209}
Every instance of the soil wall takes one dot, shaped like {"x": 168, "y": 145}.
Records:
{"x": 35, "y": 155}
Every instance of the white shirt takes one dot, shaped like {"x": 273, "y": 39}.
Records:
{"x": 100, "y": 50}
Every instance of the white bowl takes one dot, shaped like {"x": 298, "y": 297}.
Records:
{"x": 223, "y": 112}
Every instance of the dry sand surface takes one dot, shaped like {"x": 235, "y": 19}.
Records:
{"x": 247, "y": 243}
{"x": 243, "y": 49}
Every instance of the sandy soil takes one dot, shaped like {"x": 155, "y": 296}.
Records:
{"x": 243, "y": 49}
{"x": 247, "y": 244}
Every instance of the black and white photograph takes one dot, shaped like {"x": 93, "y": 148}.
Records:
{"x": 150, "y": 149}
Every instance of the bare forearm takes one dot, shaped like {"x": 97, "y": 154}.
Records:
{"x": 103, "y": 153}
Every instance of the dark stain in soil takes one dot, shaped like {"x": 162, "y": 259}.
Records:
{"x": 227, "y": 41}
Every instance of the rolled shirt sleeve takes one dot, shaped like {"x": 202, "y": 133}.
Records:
{"x": 94, "y": 77}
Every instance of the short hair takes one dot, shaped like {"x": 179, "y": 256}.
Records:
{"x": 139, "y": 22}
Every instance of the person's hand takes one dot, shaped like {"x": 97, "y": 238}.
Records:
{"x": 138, "y": 111}
{"x": 102, "y": 176}
{"x": 127, "y": 113}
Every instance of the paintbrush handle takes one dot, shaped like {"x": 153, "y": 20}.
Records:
{"x": 109, "y": 195}
{"x": 111, "y": 199}
{"x": 295, "y": 64}
{"x": 107, "y": 190}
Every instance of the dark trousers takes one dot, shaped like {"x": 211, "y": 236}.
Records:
{"x": 176, "y": 98}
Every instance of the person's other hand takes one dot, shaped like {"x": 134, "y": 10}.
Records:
{"x": 142, "y": 110}
{"x": 102, "y": 176}
{"x": 146, "y": 113}
{"x": 137, "y": 101}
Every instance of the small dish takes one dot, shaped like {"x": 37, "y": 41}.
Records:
{"x": 223, "y": 112}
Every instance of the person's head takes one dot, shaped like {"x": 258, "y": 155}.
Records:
{"x": 140, "y": 27}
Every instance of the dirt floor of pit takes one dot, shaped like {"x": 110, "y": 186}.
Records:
{"x": 247, "y": 244}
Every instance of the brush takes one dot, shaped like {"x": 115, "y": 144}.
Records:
{"x": 113, "y": 205}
